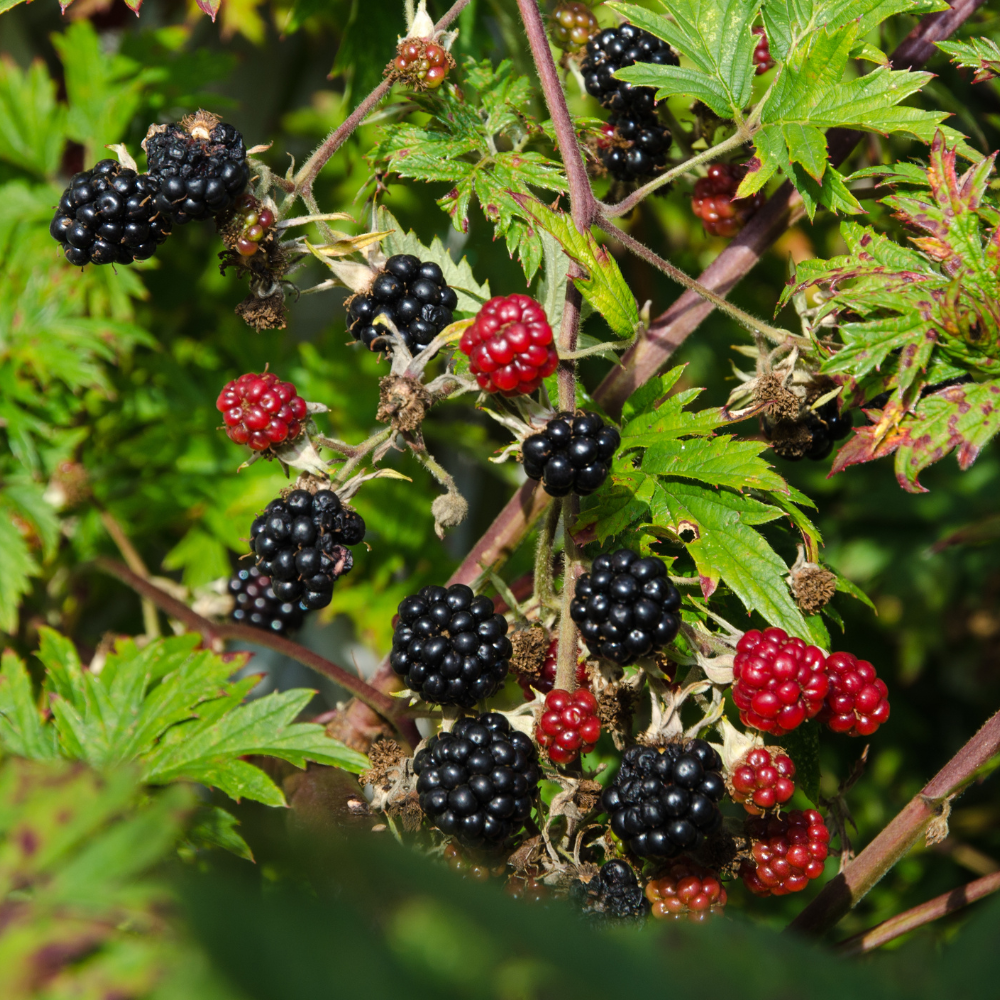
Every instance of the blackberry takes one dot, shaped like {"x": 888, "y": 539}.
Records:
{"x": 413, "y": 294}
{"x": 257, "y": 605}
{"x": 612, "y": 50}
{"x": 572, "y": 25}
{"x": 450, "y": 646}
{"x": 200, "y": 166}
{"x": 479, "y": 781}
{"x": 613, "y": 892}
{"x": 571, "y": 455}
{"x": 261, "y": 411}
{"x": 762, "y": 60}
{"x": 302, "y": 543}
{"x": 715, "y": 203}
{"x": 625, "y": 607}
{"x": 641, "y": 150}
{"x": 663, "y": 802}
{"x": 107, "y": 215}
{"x": 686, "y": 891}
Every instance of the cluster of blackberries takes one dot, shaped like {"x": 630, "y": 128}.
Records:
{"x": 302, "y": 543}
{"x": 479, "y": 781}
{"x": 665, "y": 801}
{"x": 414, "y": 295}
{"x": 108, "y": 215}
{"x": 450, "y": 646}
{"x": 642, "y": 142}
{"x": 814, "y": 435}
{"x": 613, "y": 893}
{"x": 257, "y": 605}
{"x": 572, "y": 454}
{"x": 626, "y": 607}
{"x": 199, "y": 166}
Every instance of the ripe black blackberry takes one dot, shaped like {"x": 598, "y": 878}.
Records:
{"x": 450, "y": 646}
{"x": 479, "y": 781}
{"x": 625, "y": 607}
{"x": 572, "y": 455}
{"x": 413, "y": 294}
{"x": 257, "y": 605}
{"x": 642, "y": 150}
{"x": 302, "y": 543}
{"x": 200, "y": 166}
{"x": 614, "y": 892}
{"x": 663, "y": 802}
{"x": 812, "y": 436}
{"x": 612, "y": 50}
{"x": 107, "y": 215}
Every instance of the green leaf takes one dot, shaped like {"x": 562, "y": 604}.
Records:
{"x": 16, "y": 568}
{"x": 21, "y": 729}
{"x": 980, "y": 54}
{"x": 213, "y": 826}
{"x": 721, "y": 461}
{"x": 32, "y": 122}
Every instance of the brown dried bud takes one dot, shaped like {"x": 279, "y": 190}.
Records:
{"x": 813, "y": 587}
{"x": 530, "y": 646}
{"x": 784, "y": 404}
{"x": 267, "y": 313}
{"x": 403, "y": 402}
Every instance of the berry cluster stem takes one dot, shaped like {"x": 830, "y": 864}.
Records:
{"x": 566, "y": 662}
{"x": 543, "y": 559}
{"x": 135, "y": 563}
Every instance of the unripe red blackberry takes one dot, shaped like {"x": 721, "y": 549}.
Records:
{"x": 569, "y": 726}
{"x": 200, "y": 166}
{"x": 612, "y": 50}
{"x": 510, "y": 346}
{"x": 788, "y": 852}
{"x": 713, "y": 201}
{"x": 530, "y": 890}
{"x": 762, "y": 52}
{"x": 450, "y": 646}
{"x": 463, "y": 865}
{"x": 254, "y": 220}
{"x": 107, "y": 215}
{"x": 572, "y": 25}
{"x": 572, "y": 455}
{"x": 257, "y": 605}
{"x": 423, "y": 64}
{"x": 625, "y": 607}
{"x": 763, "y": 780}
{"x": 686, "y": 891}
{"x": 261, "y": 411}
{"x": 410, "y": 292}
{"x": 857, "y": 703}
{"x": 478, "y": 782}
{"x": 302, "y": 542}
{"x": 641, "y": 151}
{"x": 663, "y": 802}
{"x": 613, "y": 894}
{"x": 778, "y": 682}
{"x": 546, "y": 682}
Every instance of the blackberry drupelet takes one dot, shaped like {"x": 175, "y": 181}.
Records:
{"x": 450, "y": 646}
{"x": 572, "y": 455}
{"x": 200, "y": 166}
{"x": 642, "y": 148}
{"x": 257, "y": 605}
{"x": 625, "y": 607}
{"x": 614, "y": 892}
{"x": 665, "y": 802}
{"x": 411, "y": 293}
{"x": 479, "y": 781}
{"x": 107, "y": 215}
{"x": 302, "y": 544}
{"x": 613, "y": 49}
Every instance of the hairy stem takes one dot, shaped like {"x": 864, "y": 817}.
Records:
{"x": 131, "y": 556}
{"x": 566, "y": 661}
{"x": 543, "y": 558}
{"x": 902, "y": 923}
{"x": 845, "y": 891}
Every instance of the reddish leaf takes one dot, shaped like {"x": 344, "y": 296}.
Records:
{"x": 210, "y": 7}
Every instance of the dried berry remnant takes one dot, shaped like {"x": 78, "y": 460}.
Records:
{"x": 614, "y": 892}
{"x": 810, "y": 434}
{"x": 813, "y": 587}
{"x": 540, "y": 672}
{"x": 612, "y": 50}
{"x": 857, "y": 703}
{"x": 261, "y": 411}
{"x": 666, "y": 801}
{"x": 478, "y": 782}
{"x": 763, "y": 780}
{"x": 573, "y": 25}
{"x": 762, "y": 52}
{"x": 403, "y": 402}
{"x": 714, "y": 201}
{"x": 787, "y": 852}
{"x": 266, "y": 312}
{"x": 510, "y": 346}
{"x": 108, "y": 215}
{"x": 199, "y": 165}
{"x": 255, "y": 603}
{"x": 572, "y": 455}
{"x": 421, "y": 63}
{"x": 636, "y": 147}
{"x": 302, "y": 542}
{"x": 778, "y": 681}
{"x": 626, "y": 607}
{"x": 569, "y": 726}
{"x": 686, "y": 891}
{"x": 413, "y": 294}
{"x": 450, "y": 646}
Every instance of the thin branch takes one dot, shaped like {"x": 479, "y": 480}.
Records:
{"x": 567, "y": 655}
{"x": 135, "y": 563}
{"x": 844, "y": 892}
{"x": 941, "y": 906}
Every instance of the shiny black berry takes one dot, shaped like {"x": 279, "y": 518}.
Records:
{"x": 256, "y": 604}
{"x": 612, "y": 50}
{"x": 613, "y": 894}
{"x": 572, "y": 455}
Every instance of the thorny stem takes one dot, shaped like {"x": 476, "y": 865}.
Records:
{"x": 909, "y": 920}
{"x": 135, "y": 563}
{"x": 566, "y": 661}
{"x": 846, "y": 890}
{"x": 543, "y": 558}
{"x": 566, "y": 372}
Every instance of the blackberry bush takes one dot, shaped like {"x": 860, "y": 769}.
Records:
{"x": 450, "y": 646}
{"x": 662, "y": 802}
{"x": 303, "y": 544}
{"x": 625, "y": 607}
{"x": 411, "y": 293}
{"x": 572, "y": 455}
{"x": 108, "y": 215}
{"x": 478, "y": 782}
{"x": 256, "y": 603}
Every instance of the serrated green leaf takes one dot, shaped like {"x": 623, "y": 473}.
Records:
{"x": 21, "y": 729}
{"x": 32, "y": 122}
{"x": 213, "y": 826}
{"x": 721, "y": 461}
{"x": 16, "y": 569}
{"x": 980, "y": 54}
{"x": 845, "y": 586}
